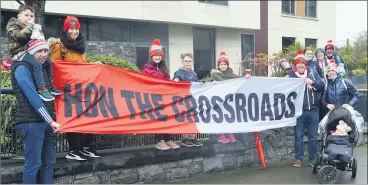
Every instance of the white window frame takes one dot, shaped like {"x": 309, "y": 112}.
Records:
{"x": 307, "y": 9}
{"x": 290, "y": 8}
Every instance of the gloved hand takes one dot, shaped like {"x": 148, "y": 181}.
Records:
{"x": 30, "y": 26}
{"x": 37, "y": 32}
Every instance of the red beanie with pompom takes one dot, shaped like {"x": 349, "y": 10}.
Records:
{"x": 329, "y": 45}
{"x": 223, "y": 58}
{"x": 300, "y": 58}
{"x": 156, "y": 48}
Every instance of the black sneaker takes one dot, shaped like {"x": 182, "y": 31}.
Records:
{"x": 75, "y": 155}
{"x": 196, "y": 142}
{"x": 187, "y": 143}
{"x": 90, "y": 152}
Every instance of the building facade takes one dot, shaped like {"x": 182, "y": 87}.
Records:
{"x": 309, "y": 22}
{"x": 204, "y": 27}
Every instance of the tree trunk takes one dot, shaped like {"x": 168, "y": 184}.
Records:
{"x": 39, "y": 6}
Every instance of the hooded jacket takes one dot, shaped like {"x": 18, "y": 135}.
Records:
{"x": 60, "y": 52}
{"x": 153, "y": 69}
{"x": 218, "y": 75}
{"x": 18, "y": 36}
{"x": 311, "y": 98}
{"x": 340, "y": 91}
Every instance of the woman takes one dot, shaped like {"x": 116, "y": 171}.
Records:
{"x": 157, "y": 67}
{"x": 339, "y": 91}
{"x": 71, "y": 48}
{"x": 308, "y": 53}
{"x": 223, "y": 72}
{"x": 321, "y": 59}
{"x": 72, "y": 44}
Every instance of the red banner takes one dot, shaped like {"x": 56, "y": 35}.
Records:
{"x": 109, "y": 100}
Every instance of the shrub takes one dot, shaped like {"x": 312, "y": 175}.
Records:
{"x": 5, "y": 78}
{"x": 359, "y": 72}
{"x": 113, "y": 61}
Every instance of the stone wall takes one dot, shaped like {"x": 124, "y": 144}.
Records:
{"x": 148, "y": 165}
{"x": 124, "y": 50}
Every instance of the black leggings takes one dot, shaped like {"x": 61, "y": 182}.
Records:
{"x": 77, "y": 141}
{"x": 165, "y": 137}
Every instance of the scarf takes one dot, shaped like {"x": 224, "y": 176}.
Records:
{"x": 185, "y": 69}
{"x": 304, "y": 75}
{"x": 79, "y": 45}
{"x": 310, "y": 87}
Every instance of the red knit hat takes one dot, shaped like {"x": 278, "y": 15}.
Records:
{"x": 71, "y": 21}
{"x": 300, "y": 58}
{"x": 223, "y": 58}
{"x": 156, "y": 48}
{"x": 329, "y": 45}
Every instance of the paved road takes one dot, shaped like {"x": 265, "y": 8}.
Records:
{"x": 281, "y": 173}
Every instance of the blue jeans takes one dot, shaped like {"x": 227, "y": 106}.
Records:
{"x": 37, "y": 69}
{"x": 39, "y": 148}
{"x": 310, "y": 120}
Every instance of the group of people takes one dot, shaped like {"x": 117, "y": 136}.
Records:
{"x": 31, "y": 71}
{"x": 323, "y": 71}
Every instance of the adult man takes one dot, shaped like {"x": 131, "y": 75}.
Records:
{"x": 309, "y": 118}
{"x": 35, "y": 124}
{"x": 331, "y": 54}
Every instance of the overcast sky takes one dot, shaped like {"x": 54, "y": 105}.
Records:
{"x": 351, "y": 18}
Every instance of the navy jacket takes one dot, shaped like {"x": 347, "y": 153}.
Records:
{"x": 311, "y": 100}
{"x": 313, "y": 65}
{"x": 340, "y": 91}
{"x": 183, "y": 75}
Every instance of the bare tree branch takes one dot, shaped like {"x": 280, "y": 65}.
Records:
{"x": 29, "y": 2}
{"x": 20, "y": 2}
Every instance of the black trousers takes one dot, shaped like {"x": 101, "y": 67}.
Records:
{"x": 165, "y": 137}
{"x": 77, "y": 140}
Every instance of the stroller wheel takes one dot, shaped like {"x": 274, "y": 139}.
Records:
{"x": 354, "y": 168}
{"x": 328, "y": 175}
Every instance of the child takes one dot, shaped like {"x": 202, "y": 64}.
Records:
{"x": 20, "y": 31}
{"x": 185, "y": 73}
{"x": 221, "y": 73}
{"x": 157, "y": 67}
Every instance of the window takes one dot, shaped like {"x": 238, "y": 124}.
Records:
{"x": 288, "y": 7}
{"x": 53, "y": 25}
{"x": 143, "y": 34}
{"x": 223, "y": 3}
{"x": 311, "y": 8}
{"x": 204, "y": 51}
{"x": 311, "y": 43}
{"x": 5, "y": 16}
{"x": 286, "y": 42}
{"x": 109, "y": 30}
{"x": 247, "y": 46}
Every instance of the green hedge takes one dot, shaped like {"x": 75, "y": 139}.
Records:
{"x": 359, "y": 72}
{"x": 113, "y": 61}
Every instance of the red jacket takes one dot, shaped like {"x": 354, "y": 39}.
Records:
{"x": 153, "y": 70}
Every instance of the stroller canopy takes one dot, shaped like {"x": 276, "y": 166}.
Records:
{"x": 337, "y": 114}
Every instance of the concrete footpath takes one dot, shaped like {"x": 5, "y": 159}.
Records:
{"x": 279, "y": 173}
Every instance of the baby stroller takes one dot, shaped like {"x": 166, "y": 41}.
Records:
{"x": 336, "y": 152}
